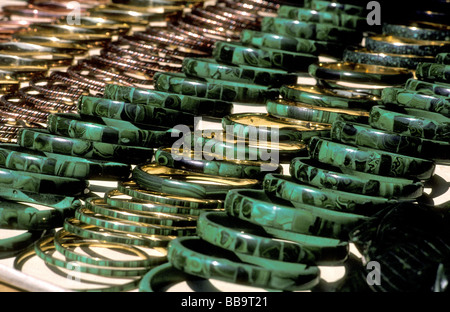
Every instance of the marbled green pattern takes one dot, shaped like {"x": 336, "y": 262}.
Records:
{"x": 433, "y": 72}
{"x": 370, "y": 160}
{"x": 332, "y": 6}
{"x": 429, "y": 88}
{"x": 418, "y": 30}
{"x": 443, "y": 58}
{"x": 397, "y": 45}
{"x": 238, "y": 54}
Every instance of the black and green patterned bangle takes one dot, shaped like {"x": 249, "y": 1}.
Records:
{"x": 179, "y": 182}
{"x": 397, "y": 45}
{"x": 316, "y": 95}
{"x": 366, "y": 136}
{"x": 329, "y": 6}
{"x": 365, "y": 56}
{"x": 289, "y": 43}
{"x": 443, "y": 58}
{"x": 238, "y": 54}
{"x": 314, "y": 113}
{"x": 436, "y": 88}
{"x": 12, "y": 246}
{"x": 42, "y": 141}
{"x": 306, "y": 30}
{"x": 195, "y": 105}
{"x": 370, "y": 160}
{"x": 320, "y": 175}
{"x": 360, "y": 73}
{"x": 108, "y": 130}
{"x": 135, "y": 113}
{"x": 416, "y": 100}
{"x": 214, "y": 89}
{"x": 209, "y": 68}
{"x": 254, "y": 126}
{"x": 418, "y": 30}
{"x": 409, "y": 121}
{"x": 433, "y": 72}
{"x": 197, "y": 257}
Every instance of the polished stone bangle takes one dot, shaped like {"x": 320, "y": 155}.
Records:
{"x": 208, "y": 68}
{"x": 370, "y": 160}
{"x": 416, "y": 100}
{"x": 433, "y": 72}
{"x": 238, "y": 54}
{"x": 316, "y": 95}
{"x": 255, "y": 126}
{"x": 197, "y": 257}
{"x": 320, "y": 175}
{"x": 360, "y": 73}
{"x": 12, "y": 246}
{"x": 418, "y": 30}
{"x": 179, "y": 182}
{"x": 409, "y": 121}
{"x": 306, "y": 30}
{"x": 430, "y": 88}
{"x": 365, "y": 56}
{"x": 443, "y": 58}
{"x": 214, "y": 89}
{"x": 328, "y": 6}
{"x": 42, "y": 141}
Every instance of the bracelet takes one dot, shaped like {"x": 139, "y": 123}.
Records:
{"x": 219, "y": 168}
{"x": 217, "y": 16}
{"x": 288, "y": 43}
{"x": 9, "y": 86}
{"x": 249, "y": 6}
{"x": 397, "y": 45}
{"x": 56, "y": 90}
{"x": 260, "y": 126}
{"x": 418, "y": 30}
{"x": 89, "y": 22}
{"x": 328, "y": 6}
{"x": 325, "y": 97}
{"x": 23, "y": 72}
{"x": 30, "y": 49}
{"x": 214, "y": 89}
{"x": 432, "y": 16}
{"x": 431, "y": 88}
{"x": 36, "y": 11}
{"x": 199, "y": 258}
{"x": 76, "y": 49}
{"x": 363, "y": 135}
{"x": 433, "y": 72}
{"x": 360, "y": 73}
{"x": 179, "y": 182}
{"x": 238, "y": 54}
{"x": 212, "y": 27}
{"x": 42, "y": 141}
{"x": 308, "y": 171}
{"x": 50, "y": 60}
{"x": 16, "y": 104}
{"x": 252, "y": 20}
{"x": 113, "y": 51}
{"x": 371, "y": 90}
{"x": 68, "y": 79}
{"x": 126, "y": 16}
{"x": 443, "y": 58}
{"x": 413, "y": 122}
{"x": 208, "y": 68}
{"x": 12, "y": 246}
{"x": 370, "y": 160}
{"x": 166, "y": 38}
{"x": 89, "y": 41}
{"x": 57, "y": 29}
{"x": 41, "y": 102}
{"x": 92, "y": 81}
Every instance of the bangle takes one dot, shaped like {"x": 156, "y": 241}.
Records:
{"x": 256, "y": 126}
{"x": 50, "y": 60}
{"x": 216, "y": 16}
{"x": 89, "y": 22}
{"x": 433, "y": 72}
{"x": 365, "y": 56}
{"x": 212, "y": 27}
{"x": 47, "y": 105}
{"x": 208, "y": 68}
{"x": 326, "y": 97}
{"x": 238, "y": 54}
{"x": 219, "y": 168}
{"x": 57, "y": 29}
{"x": 435, "y": 88}
{"x": 197, "y": 257}
{"x": 416, "y": 100}
{"x": 371, "y": 90}
{"x": 363, "y": 135}
{"x": 22, "y": 73}
{"x": 42, "y": 141}
{"x": 413, "y": 122}
{"x": 112, "y": 51}
{"x": 370, "y": 160}
{"x": 89, "y": 41}
{"x": 179, "y": 182}
{"x": 432, "y": 16}
{"x": 56, "y": 90}
{"x": 135, "y": 113}
{"x": 95, "y": 81}
{"x": 418, "y": 30}
{"x": 77, "y": 49}
{"x": 214, "y": 89}
{"x": 306, "y": 30}
{"x": 397, "y": 45}
{"x": 37, "y": 11}
{"x": 288, "y": 43}
{"x": 328, "y": 6}
{"x": 308, "y": 171}
{"x": 69, "y": 79}
{"x": 9, "y": 86}
{"x": 443, "y": 58}
{"x": 12, "y": 246}
{"x": 360, "y": 73}
{"x": 16, "y": 105}
{"x": 30, "y": 49}
{"x": 252, "y": 20}
{"x": 183, "y": 28}
{"x": 126, "y": 16}
{"x": 168, "y": 39}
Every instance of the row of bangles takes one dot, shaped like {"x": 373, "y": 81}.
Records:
{"x": 111, "y": 90}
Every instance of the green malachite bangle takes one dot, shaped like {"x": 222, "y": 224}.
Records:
{"x": 429, "y": 88}
{"x": 360, "y": 73}
{"x": 12, "y": 246}
{"x": 195, "y": 105}
{"x": 42, "y": 141}
{"x": 197, "y": 257}
{"x": 205, "y": 164}
{"x": 209, "y": 68}
{"x": 17, "y": 158}
{"x": 366, "y": 136}
{"x": 307, "y": 30}
{"x": 328, "y": 6}
{"x": 107, "y": 130}
{"x": 238, "y": 54}
{"x": 397, "y": 45}
{"x": 370, "y": 160}
{"x": 365, "y": 56}
{"x": 133, "y": 190}
{"x": 244, "y": 237}
{"x": 338, "y": 98}
{"x": 253, "y": 126}
{"x": 433, "y": 72}
{"x": 413, "y": 122}
{"x": 416, "y": 100}
{"x": 135, "y": 113}
{"x": 314, "y": 113}
{"x": 418, "y": 30}
{"x": 321, "y": 175}
{"x": 179, "y": 182}
{"x": 443, "y": 58}
{"x": 214, "y": 89}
